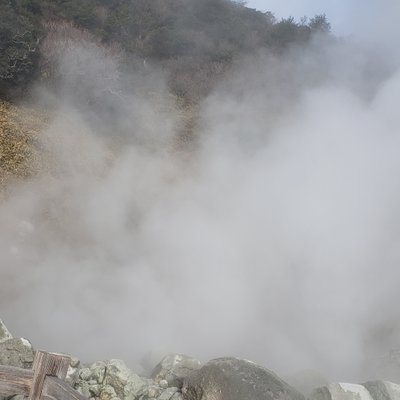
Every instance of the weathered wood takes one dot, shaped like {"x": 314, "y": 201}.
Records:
{"x": 47, "y": 364}
{"x": 56, "y": 389}
{"x": 15, "y": 381}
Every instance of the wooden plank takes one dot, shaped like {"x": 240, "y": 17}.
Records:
{"x": 56, "y": 389}
{"x": 47, "y": 364}
{"x": 15, "y": 381}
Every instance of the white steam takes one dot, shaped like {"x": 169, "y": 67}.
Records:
{"x": 276, "y": 239}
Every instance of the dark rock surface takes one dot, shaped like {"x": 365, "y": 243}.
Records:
{"x": 174, "y": 368}
{"x": 236, "y": 379}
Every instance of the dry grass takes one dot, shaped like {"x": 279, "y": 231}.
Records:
{"x": 21, "y": 155}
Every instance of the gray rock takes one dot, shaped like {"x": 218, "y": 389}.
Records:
{"x": 383, "y": 390}
{"x": 98, "y": 371}
{"x": 152, "y": 392}
{"x": 83, "y": 388}
{"x": 321, "y": 393}
{"x": 95, "y": 390}
{"x": 174, "y": 368}
{"x": 107, "y": 392}
{"x": 73, "y": 371}
{"x": 75, "y": 362}
{"x": 235, "y": 379}
{"x": 85, "y": 374}
{"x": 168, "y": 394}
{"x": 16, "y": 353}
{"x": 113, "y": 380}
{"x": 4, "y": 333}
{"x": 163, "y": 384}
{"x": 342, "y": 391}
{"x": 127, "y": 385}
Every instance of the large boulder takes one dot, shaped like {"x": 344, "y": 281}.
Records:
{"x": 341, "y": 391}
{"x": 125, "y": 382}
{"x": 236, "y": 379}
{"x": 16, "y": 353}
{"x": 372, "y": 390}
{"x": 174, "y": 368}
{"x": 383, "y": 390}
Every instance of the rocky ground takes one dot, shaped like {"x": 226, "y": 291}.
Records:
{"x": 182, "y": 377}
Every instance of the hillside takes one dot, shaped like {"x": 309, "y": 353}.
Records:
{"x": 193, "y": 44}
{"x": 187, "y": 38}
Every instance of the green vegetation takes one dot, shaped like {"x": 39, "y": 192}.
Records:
{"x": 194, "y": 41}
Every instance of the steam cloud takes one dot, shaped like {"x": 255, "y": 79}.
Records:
{"x": 275, "y": 239}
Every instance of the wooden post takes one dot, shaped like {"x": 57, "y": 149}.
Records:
{"x": 56, "y": 389}
{"x": 47, "y": 364}
{"x": 15, "y": 381}
{"x": 44, "y": 382}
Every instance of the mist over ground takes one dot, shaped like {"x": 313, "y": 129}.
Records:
{"x": 273, "y": 237}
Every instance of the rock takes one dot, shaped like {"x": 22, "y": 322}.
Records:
{"x": 95, "y": 390}
{"x": 85, "y": 374}
{"x": 163, "y": 384}
{"x": 4, "y": 333}
{"x": 73, "y": 371}
{"x": 383, "y": 390}
{"x": 113, "y": 380}
{"x": 372, "y": 390}
{"x": 75, "y": 362}
{"x": 235, "y": 379}
{"x": 98, "y": 371}
{"x": 83, "y": 388}
{"x": 168, "y": 394}
{"x": 127, "y": 384}
{"x": 107, "y": 393}
{"x": 16, "y": 353}
{"x": 153, "y": 392}
{"x": 174, "y": 368}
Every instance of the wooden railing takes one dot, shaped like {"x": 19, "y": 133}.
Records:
{"x": 45, "y": 381}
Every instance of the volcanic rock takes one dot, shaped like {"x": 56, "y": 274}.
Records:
{"x": 372, "y": 390}
{"x": 383, "y": 390}
{"x": 16, "y": 353}
{"x": 235, "y": 379}
{"x": 126, "y": 383}
{"x": 113, "y": 380}
{"x": 4, "y": 333}
{"x": 168, "y": 394}
{"x": 174, "y": 368}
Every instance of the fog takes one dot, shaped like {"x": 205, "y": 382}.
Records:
{"x": 274, "y": 237}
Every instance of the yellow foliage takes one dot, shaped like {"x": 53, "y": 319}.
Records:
{"x": 20, "y": 151}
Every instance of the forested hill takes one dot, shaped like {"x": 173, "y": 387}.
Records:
{"x": 192, "y": 39}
